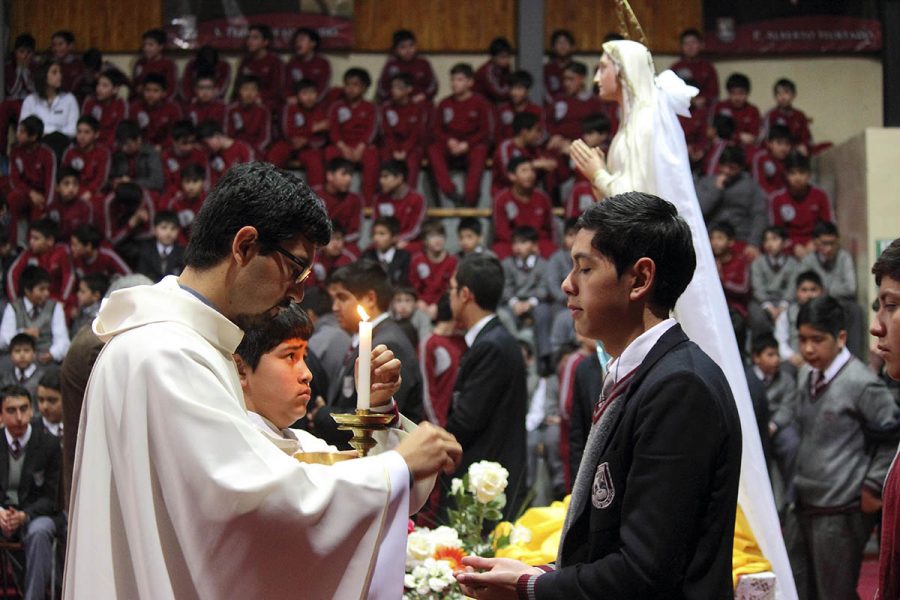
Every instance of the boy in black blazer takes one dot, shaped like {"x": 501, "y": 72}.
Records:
{"x": 163, "y": 255}
{"x": 653, "y": 505}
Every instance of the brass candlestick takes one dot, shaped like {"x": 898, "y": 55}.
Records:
{"x": 363, "y": 423}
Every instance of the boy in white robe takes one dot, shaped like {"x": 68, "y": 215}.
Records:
{"x": 175, "y": 492}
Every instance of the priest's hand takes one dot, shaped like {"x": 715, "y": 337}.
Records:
{"x": 589, "y": 161}
{"x": 497, "y": 577}
{"x": 429, "y": 449}
{"x": 386, "y": 378}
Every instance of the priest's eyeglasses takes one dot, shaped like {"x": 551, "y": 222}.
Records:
{"x": 303, "y": 268}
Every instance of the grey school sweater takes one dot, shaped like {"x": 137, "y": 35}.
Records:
{"x": 837, "y": 454}
{"x": 771, "y": 282}
{"x": 839, "y": 277}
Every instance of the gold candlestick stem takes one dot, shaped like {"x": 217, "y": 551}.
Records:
{"x": 363, "y": 423}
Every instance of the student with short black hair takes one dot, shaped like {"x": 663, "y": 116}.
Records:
{"x": 522, "y": 204}
{"x": 163, "y": 255}
{"x": 526, "y": 141}
{"x": 440, "y": 355}
{"x": 343, "y": 206}
{"x": 783, "y": 114}
{"x": 492, "y": 78}
{"x": 397, "y": 199}
{"x": 206, "y": 103}
{"x": 307, "y": 63}
{"x": 38, "y": 315}
{"x": 840, "y": 407}
{"x": 32, "y": 173}
{"x": 23, "y": 369}
{"x": 405, "y": 58}
{"x": 90, "y": 256}
{"x": 520, "y": 83}
{"x": 205, "y": 65}
{"x": 430, "y": 270}
{"x": 179, "y": 155}
{"x": 395, "y": 260}
{"x": 304, "y": 128}
{"x": 91, "y": 290}
{"x": 19, "y": 83}
{"x": 135, "y": 159}
{"x": 153, "y": 62}
{"x": 404, "y": 127}
{"x": 89, "y": 157}
{"x": 571, "y": 107}
{"x": 106, "y": 105}
{"x": 44, "y": 251}
{"x": 562, "y": 47}
{"x": 767, "y": 165}
{"x": 463, "y": 132}
{"x": 262, "y": 62}
{"x": 126, "y": 219}
{"x": 800, "y": 206}
{"x": 471, "y": 239}
{"x": 745, "y": 115}
{"x": 69, "y": 209}
{"x": 247, "y": 118}
{"x": 223, "y": 151}
{"x": 188, "y": 200}
{"x": 332, "y": 256}
{"x": 154, "y": 111}
{"x": 692, "y": 66}
{"x": 352, "y": 127}
{"x": 596, "y": 132}
{"x": 772, "y": 276}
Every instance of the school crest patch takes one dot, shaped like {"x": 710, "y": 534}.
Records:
{"x": 602, "y": 492}
{"x": 788, "y": 212}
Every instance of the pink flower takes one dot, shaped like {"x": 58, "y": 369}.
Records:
{"x": 410, "y": 526}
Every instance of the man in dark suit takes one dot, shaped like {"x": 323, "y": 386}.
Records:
{"x": 365, "y": 284}
{"x": 29, "y": 479}
{"x": 653, "y": 505}
{"x": 487, "y": 413}
{"x": 162, "y": 255}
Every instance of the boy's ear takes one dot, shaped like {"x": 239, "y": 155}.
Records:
{"x": 842, "y": 339}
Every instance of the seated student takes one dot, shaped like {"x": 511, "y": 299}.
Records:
{"x": 520, "y": 83}
{"x": 19, "y": 84}
{"x": 783, "y": 114}
{"x": 595, "y": 131}
{"x": 395, "y": 260}
{"x": 808, "y": 286}
{"x": 525, "y": 293}
{"x": 734, "y": 272}
{"x": 91, "y": 289}
{"x": 780, "y": 387}
{"x": 343, "y": 206}
{"x": 441, "y": 353}
{"x": 90, "y": 256}
{"x": 69, "y": 208}
{"x": 767, "y": 165}
{"x": 44, "y": 252}
{"x": 49, "y": 402}
{"x": 352, "y": 126}
{"x": 89, "y": 157}
{"x": 23, "y": 370}
{"x": 404, "y": 125}
{"x": 32, "y": 172}
{"x": 565, "y": 113}
{"x": 562, "y": 47}
{"x": 463, "y": 132}
{"x": 307, "y": 64}
{"x": 154, "y": 112}
{"x": 126, "y": 218}
{"x": 840, "y": 408}
{"x": 264, "y": 64}
{"x": 691, "y": 66}
{"x": 152, "y": 62}
{"x": 224, "y": 152}
{"x": 723, "y": 128}
{"x": 522, "y": 204}
{"x": 206, "y": 64}
{"x": 732, "y": 196}
{"x": 332, "y": 256}
{"x": 404, "y": 58}
{"x": 188, "y": 200}
{"x": 471, "y": 240}
{"x": 135, "y": 160}
{"x": 163, "y": 255}
{"x": 560, "y": 264}
{"x": 304, "y": 127}
{"x": 38, "y": 315}
{"x": 416, "y": 324}
{"x": 696, "y": 127}
{"x": 248, "y": 119}
{"x": 363, "y": 283}
{"x": 106, "y": 105}
{"x": 182, "y": 152}
{"x": 206, "y": 104}
{"x": 772, "y": 276}
{"x": 492, "y": 78}
{"x": 30, "y": 488}
{"x": 430, "y": 270}
{"x": 526, "y": 141}
{"x": 397, "y": 199}
{"x": 800, "y": 206}
{"x": 736, "y": 106}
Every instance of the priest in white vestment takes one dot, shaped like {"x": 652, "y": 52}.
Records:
{"x": 175, "y": 493}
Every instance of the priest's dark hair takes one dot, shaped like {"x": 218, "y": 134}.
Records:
{"x": 363, "y": 276}
{"x": 289, "y": 324}
{"x": 278, "y": 204}
{"x": 483, "y": 275}
{"x": 823, "y": 314}
{"x": 888, "y": 264}
{"x": 634, "y": 225}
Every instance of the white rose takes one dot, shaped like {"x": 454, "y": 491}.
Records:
{"x": 487, "y": 480}
{"x": 456, "y": 485}
{"x": 418, "y": 547}
{"x": 409, "y": 581}
{"x": 436, "y": 584}
{"x": 519, "y": 535}
{"x": 446, "y": 537}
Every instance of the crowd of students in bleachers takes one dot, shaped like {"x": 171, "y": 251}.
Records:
{"x": 107, "y": 171}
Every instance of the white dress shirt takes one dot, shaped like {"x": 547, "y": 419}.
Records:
{"x": 475, "y": 329}
{"x": 635, "y": 352}
{"x": 60, "y": 115}
{"x": 23, "y": 440}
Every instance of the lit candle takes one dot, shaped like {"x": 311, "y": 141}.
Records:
{"x": 363, "y": 388}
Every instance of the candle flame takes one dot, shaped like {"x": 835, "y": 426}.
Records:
{"x": 362, "y": 313}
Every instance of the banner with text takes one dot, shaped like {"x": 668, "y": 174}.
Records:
{"x": 223, "y": 24}
{"x": 792, "y": 26}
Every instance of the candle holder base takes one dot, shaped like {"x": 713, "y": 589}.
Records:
{"x": 363, "y": 423}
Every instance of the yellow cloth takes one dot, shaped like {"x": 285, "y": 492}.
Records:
{"x": 545, "y": 524}
{"x": 747, "y": 557}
